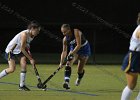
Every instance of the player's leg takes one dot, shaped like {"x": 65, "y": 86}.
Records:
{"x": 22, "y": 85}
{"x": 12, "y": 66}
{"x": 10, "y": 69}
{"x": 83, "y": 55}
{"x": 131, "y": 84}
{"x": 82, "y": 60}
{"x": 67, "y": 73}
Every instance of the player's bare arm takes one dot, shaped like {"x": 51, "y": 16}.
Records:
{"x": 78, "y": 41}
{"x": 23, "y": 46}
{"x": 64, "y": 51}
{"x": 138, "y": 34}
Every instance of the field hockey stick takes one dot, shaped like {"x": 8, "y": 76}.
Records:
{"x": 44, "y": 83}
{"x": 69, "y": 58}
{"x": 39, "y": 85}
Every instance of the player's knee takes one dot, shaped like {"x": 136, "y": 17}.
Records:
{"x": 11, "y": 70}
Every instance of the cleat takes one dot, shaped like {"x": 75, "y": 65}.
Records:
{"x": 24, "y": 88}
{"x": 66, "y": 85}
{"x": 77, "y": 82}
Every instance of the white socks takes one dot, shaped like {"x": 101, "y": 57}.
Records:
{"x": 22, "y": 78}
{"x": 138, "y": 97}
{"x": 3, "y": 73}
{"x": 126, "y": 93}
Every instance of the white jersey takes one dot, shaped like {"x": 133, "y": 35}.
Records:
{"x": 15, "y": 44}
{"x": 135, "y": 42}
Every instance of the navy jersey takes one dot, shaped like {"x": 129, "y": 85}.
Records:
{"x": 85, "y": 47}
{"x": 71, "y": 41}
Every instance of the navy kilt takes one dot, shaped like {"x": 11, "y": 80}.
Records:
{"x": 131, "y": 62}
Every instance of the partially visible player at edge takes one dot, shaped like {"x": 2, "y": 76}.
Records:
{"x": 79, "y": 49}
{"x": 19, "y": 46}
{"x": 131, "y": 64}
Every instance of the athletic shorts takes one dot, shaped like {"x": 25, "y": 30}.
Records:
{"x": 10, "y": 55}
{"x": 84, "y": 51}
{"x": 131, "y": 62}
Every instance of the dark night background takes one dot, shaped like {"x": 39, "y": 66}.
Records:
{"x": 51, "y": 14}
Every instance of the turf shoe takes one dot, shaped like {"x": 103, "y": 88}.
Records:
{"x": 66, "y": 85}
{"x": 77, "y": 82}
{"x": 25, "y": 88}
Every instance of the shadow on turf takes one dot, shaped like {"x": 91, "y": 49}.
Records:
{"x": 52, "y": 89}
{"x": 108, "y": 90}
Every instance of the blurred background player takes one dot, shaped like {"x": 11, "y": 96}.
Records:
{"x": 79, "y": 49}
{"x": 19, "y": 46}
{"x": 131, "y": 63}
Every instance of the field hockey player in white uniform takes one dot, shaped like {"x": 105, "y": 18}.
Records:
{"x": 19, "y": 47}
{"x": 131, "y": 64}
